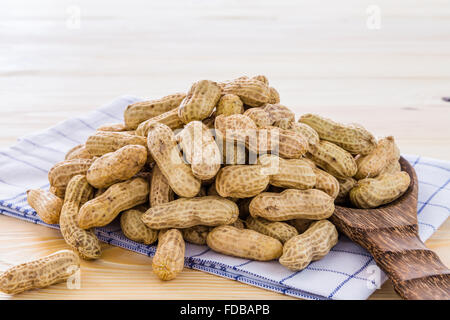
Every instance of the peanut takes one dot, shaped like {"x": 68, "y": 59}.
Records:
{"x": 333, "y": 159}
{"x": 133, "y": 228}
{"x": 241, "y": 181}
{"x": 291, "y": 145}
{"x": 61, "y": 173}
{"x": 251, "y": 91}
{"x": 46, "y": 204}
{"x": 244, "y": 243}
{"x": 229, "y": 104}
{"x": 117, "y": 166}
{"x": 160, "y": 191}
{"x": 278, "y": 112}
{"x": 240, "y": 224}
{"x": 113, "y": 127}
{"x": 261, "y": 78}
{"x": 274, "y": 96}
{"x": 371, "y": 165}
{"x": 188, "y": 212}
{"x": 196, "y": 234}
{"x": 306, "y": 131}
{"x": 78, "y": 152}
{"x": 326, "y": 182}
{"x": 345, "y": 185}
{"x": 103, "y": 142}
{"x": 392, "y": 167}
{"x": 312, "y": 245}
{"x": 168, "y": 261}
{"x": 162, "y": 145}
{"x": 291, "y": 173}
{"x": 40, "y": 273}
{"x": 59, "y": 192}
{"x": 200, "y": 150}
{"x": 353, "y": 138}
{"x": 83, "y": 241}
{"x": 169, "y": 118}
{"x": 290, "y": 204}
{"x": 200, "y": 101}
{"x": 121, "y": 196}
{"x": 259, "y": 116}
{"x": 278, "y": 230}
{"x": 138, "y": 112}
{"x": 374, "y": 192}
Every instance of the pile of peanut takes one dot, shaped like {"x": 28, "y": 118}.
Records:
{"x": 225, "y": 165}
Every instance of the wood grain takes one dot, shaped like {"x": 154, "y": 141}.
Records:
{"x": 321, "y": 57}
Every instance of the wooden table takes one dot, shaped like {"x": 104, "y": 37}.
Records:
{"x": 329, "y": 58}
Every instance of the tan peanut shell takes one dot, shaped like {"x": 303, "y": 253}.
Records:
{"x": 290, "y": 173}
{"x": 333, "y": 159}
{"x": 374, "y": 192}
{"x": 262, "y": 78}
{"x": 200, "y": 150}
{"x": 261, "y": 117}
{"x": 371, "y": 165}
{"x": 189, "y": 212}
{"x": 353, "y": 137}
{"x": 292, "y": 145}
{"x": 209, "y": 122}
{"x": 229, "y": 104}
{"x": 278, "y": 112}
{"x": 326, "y": 182}
{"x": 163, "y": 148}
{"x": 392, "y": 167}
{"x": 160, "y": 191}
{"x": 196, "y": 234}
{"x": 103, "y": 142}
{"x": 168, "y": 261}
{"x": 278, "y": 230}
{"x": 212, "y": 191}
{"x": 200, "y": 101}
{"x": 138, "y": 112}
{"x": 241, "y": 181}
{"x": 306, "y": 131}
{"x": 117, "y": 166}
{"x": 121, "y": 196}
{"x": 58, "y": 191}
{"x": 114, "y": 127}
{"x": 133, "y": 228}
{"x": 84, "y": 242}
{"x": 244, "y": 243}
{"x": 40, "y": 273}
{"x": 46, "y": 204}
{"x": 61, "y": 173}
{"x": 78, "y": 152}
{"x": 301, "y": 225}
{"x": 169, "y": 118}
{"x": 292, "y": 204}
{"x": 252, "y": 92}
{"x": 274, "y": 96}
{"x": 345, "y": 185}
{"x": 240, "y": 224}
{"x": 312, "y": 245}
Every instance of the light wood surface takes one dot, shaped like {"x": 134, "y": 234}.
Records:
{"x": 321, "y": 56}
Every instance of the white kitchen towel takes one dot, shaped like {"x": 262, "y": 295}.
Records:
{"x": 347, "y": 272}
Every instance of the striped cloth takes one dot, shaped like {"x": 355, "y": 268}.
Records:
{"x": 347, "y": 272}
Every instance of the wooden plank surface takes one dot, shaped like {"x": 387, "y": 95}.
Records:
{"x": 322, "y": 58}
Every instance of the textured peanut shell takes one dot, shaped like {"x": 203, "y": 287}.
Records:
{"x": 261, "y": 117}
{"x": 241, "y": 181}
{"x": 138, "y": 112}
{"x": 163, "y": 148}
{"x": 262, "y": 78}
{"x": 200, "y": 150}
{"x": 169, "y": 118}
{"x": 278, "y": 230}
{"x": 113, "y": 127}
{"x": 312, "y": 245}
{"x": 168, "y": 261}
{"x": 189, "y": 212}
{"x": 345, "y": 185}
{"x": 229, "y": 104}
{"x": 212, "y": 191}
{"x": 83, "y": 241}
{"x": 392, "y": 167}
{"x": 200, "y": 101}
{"x": 78, "y": 152}
{"x": 58, "y": 191}
{"x": 196, "y": 234}
{"x": 292, "y": 145}
{"x": 40, "y": 273}
{"x": 326, "y": 182}
{"x": 252, "y": 92}
{"x": 61, "y": 173}
{"x": 353, "y": 137}
{"x": 333, "y": 159}
{"x": 274, "y": 96}
{"x": 117, "y": 166}
{"x": 160, "y": 191}
{"x": 374, "y": 192}
{"x": 306, "y": 131}
{"x": 46, "y": 204}
{"x": 372, "y": 165}
{"x": 244, "y": 243}
{"x": 103, "y": 142}
{"x": 133, "y": 228}
{"x": 121, "y": 196}
{"x": 278, "y": 112}
{"x": 290, "y": 174}
{"x": 291, "y": 204}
